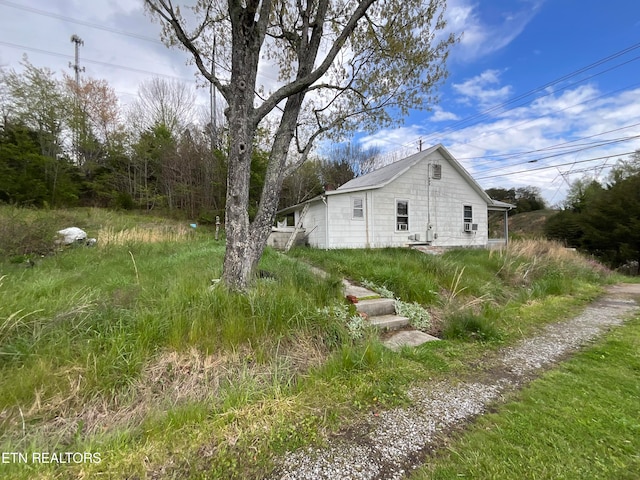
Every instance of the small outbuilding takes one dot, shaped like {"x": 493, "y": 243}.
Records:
{"x": 425, "y": 199}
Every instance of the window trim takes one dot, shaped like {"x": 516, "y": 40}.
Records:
{"x": 398, "y": 216}
{"x": 436, "y": 171}
{"x": 467, "y": 218}
{"x": 354, "y": 208}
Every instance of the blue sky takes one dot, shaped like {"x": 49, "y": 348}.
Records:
{"x": 540, "y": 93}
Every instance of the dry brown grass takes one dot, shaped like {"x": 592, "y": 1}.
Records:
{"x": 169, "y": 380}
{"x": 144, "y": 234}
{"x": 538, "y": 255}
{"x": 544, "y": 248}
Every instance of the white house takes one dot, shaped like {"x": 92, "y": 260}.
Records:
{"x": 427, "y": 199}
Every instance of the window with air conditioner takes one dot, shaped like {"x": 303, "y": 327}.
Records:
{"x": 467, "y": 217}
{"x": 402, "y": 215}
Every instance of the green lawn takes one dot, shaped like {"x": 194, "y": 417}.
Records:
{"x": 579, "y": 421}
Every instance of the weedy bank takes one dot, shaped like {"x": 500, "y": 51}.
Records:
{"x": 126, "y": 349}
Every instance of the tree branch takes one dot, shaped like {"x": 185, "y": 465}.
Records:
{"x": 304, "y": 82}
{"x": 164, "y": 9}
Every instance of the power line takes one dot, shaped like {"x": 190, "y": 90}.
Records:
{"x": 551, "y": 147}
{"x": 500, "y": 106}
{"x": 567, "y": 152}
{"x": 533, "y": 119}
{"x": 459, "y": 125}
{"x": 86, "y": 60}
{"x": 554, "y": 166}
{"x": 78, "y": 22}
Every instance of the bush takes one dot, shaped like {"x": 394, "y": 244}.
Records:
{"x": 26, "y": 235}
{"x": 417, "y": 315}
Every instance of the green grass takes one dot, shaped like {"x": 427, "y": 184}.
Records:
{"x": 580, "y": 420}
{"x": 124, "y": 349}
{"x": 488, "y": 289}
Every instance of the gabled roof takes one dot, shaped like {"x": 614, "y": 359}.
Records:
{"x": 385, "y": 175}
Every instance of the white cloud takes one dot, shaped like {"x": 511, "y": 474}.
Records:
{"x": 478, "y": 89}
{"x": 397, "y": 142}
{"x": 439, "y": 115}
{"x": 480, "y": 36}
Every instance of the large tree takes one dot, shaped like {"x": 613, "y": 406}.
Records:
{"x": 339, "y": 66}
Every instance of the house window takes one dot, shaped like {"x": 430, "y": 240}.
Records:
{"x": 468, "y": 214}
{"x": 358, "y": 208}
{"x": 467, "y": 218}
{"x": 402, "y": 215}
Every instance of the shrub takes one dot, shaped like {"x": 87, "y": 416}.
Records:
{"x": 26, "y": 235}
{"x": 418, "y": 316}
{"x": 355, "y": 324}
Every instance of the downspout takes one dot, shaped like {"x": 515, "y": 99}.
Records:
{"x": 428, "y": 232}
{"x": 366, "y": 219}
{"x": 373, "y": 219}
{"x": 506, "y": 228}
{"x": 326, "y": 222}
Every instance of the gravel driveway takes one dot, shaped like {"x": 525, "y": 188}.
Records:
{"x": 392, "y": 444}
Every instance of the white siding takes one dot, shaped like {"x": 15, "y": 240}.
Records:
{"x": 344, "y": 230}
{"x": 411, "y": 186}
{"x": 315, "y": 224}
{"x": 447, "y": 199}
{"x": 439, "y": 203}
{"x": 436, "y": 202}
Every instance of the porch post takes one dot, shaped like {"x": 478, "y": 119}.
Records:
{"x": 506, "y": 228}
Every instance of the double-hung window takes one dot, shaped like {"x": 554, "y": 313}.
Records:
{"x": 467, "y": 218}
{"x": 402, "y": 215}
{"x": 357, "y": 205}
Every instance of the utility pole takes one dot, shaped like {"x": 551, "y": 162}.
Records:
{"x": 76, "y": 67}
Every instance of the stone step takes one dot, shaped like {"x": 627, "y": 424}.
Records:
{"x": 408, "y": 338}
{"x": 357, "y": 291}
{"x": 389, "y": 322}
{"x": 377, "y": 306}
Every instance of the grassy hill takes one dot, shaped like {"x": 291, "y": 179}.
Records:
{"x": 125, "y": 351}
{"x": 529, "y": 224}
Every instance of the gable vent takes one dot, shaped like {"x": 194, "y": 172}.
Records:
{"x": 436, "y": 171}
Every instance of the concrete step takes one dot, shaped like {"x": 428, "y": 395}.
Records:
{"x": 357, "y": 291}
{"x": 389, "y": 322}
{"x": 377, "y": 306}
{"x": 408, "y": 338}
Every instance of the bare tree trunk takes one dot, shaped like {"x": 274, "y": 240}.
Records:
{"x": 240, "y": 259}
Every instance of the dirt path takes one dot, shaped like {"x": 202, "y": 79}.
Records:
{"x": 389, "y": 446}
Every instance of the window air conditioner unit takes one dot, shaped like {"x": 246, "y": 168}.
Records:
{"x": 403, "y": 226}
{"x": 467, "y": 227}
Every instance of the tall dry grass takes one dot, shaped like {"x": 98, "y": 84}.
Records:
{"x": 540, "y": 251}
{"x": 109, "y": 236}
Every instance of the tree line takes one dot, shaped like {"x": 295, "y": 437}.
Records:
{"x": 64, "y": 144}
{"x": 603, "y": 219}
{"x": 68, "y": 144}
